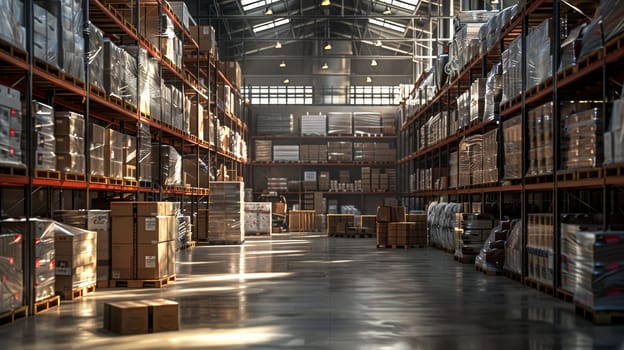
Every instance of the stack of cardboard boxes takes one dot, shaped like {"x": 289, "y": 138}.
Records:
{"x": 76, "y": 260}
{"x": 338, "y": 224}
{"x": 143, "y": 240}
{"x": 142, "y": 316}
{"x": 385, "y": 216}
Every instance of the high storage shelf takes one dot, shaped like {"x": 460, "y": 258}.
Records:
{"x": 365, "y": 201}
{"x": 595, "y": 191}
{"x": 52, "y": 85}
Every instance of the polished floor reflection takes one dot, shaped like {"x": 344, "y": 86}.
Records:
{"x": 311, "y": 292}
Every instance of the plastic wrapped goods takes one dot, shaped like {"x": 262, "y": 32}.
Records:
{"x": 96, "y": 57}
{"x": 598, "y": 269}
{"x": 513, "y": 249}
{"x": 76, "y": 258}
{"x": 339, "y": 123}
{"x": 69, "y": 132}
{"x": 493, "y": 93}
{"x": 367, "y": 123}
{"x": 606, "y": 25}
{"x": 257, "y": 217}
{"x": 45, "y": 35}
{"x": 441, "y": 222}
{"x": 226, "y": 212}
{"x": 539, "y": 59}
{"x": 275, "y": 124}
{"x": 11, "y": 22}
{"x": 45, "y": 143}
{"x": 42, "y": 231}
{"x": 314, "y": 125}
{"x": 582, "y": 143}
{"x": 10, "y": 126}
{"x": 540, "y": 251}
{"x": 11, "y": 286}
{"x": 144, "y": 148}
{"x": 512, "y": 73}
{"x": 97, "y": 137}
{"x": 512, "y": 140}
{"x": 169, "y": 171}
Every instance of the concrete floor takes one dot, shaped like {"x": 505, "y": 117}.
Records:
{"x": 310, "y": 292}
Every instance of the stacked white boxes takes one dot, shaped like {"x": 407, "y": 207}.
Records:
{"x": 45, "y": 35}
{"x": 258, "y": 217}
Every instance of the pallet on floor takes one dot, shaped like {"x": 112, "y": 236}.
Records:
{"x": 512, "y": 275}
{"x": 396, "y": 246}
{"x": 188, "y": 245}
{"x": 488, "y": 272}
{"x": 464, "y": 259}
{"x": 158, "y": 283}
{"x": 355, "y": 235}
{"x": 79, "y": 292}
{"x": 599, "y": 317}
{"x": 46, "y": 304}
{"x": 542, "y": 287}
{"x": 13, "y": 315}
{"x": 223, "y": 242}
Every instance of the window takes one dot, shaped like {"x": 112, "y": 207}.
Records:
{"x": 409, "y": 5}
{"x": 280, "y": 95}
{"x": 397, "y": 27}
{"x": 374, "y": 95}
{"x": 270, "y": 25}
{"x": 253, "y": 4}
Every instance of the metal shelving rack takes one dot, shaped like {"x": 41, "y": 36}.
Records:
{"x": 596, "y": 190}
{"x": 39, "y": 80}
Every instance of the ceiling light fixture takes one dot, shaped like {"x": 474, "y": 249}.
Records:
{"x": 378, "y": 43}
{"x": 278, "y": 45}
{"x": 387, "y": 11}
{"x": 327, "y": 46}
{"x": 325, "y": 3}
{"x": 369, "y": 79}
{"x": 282, "y": 64}
{"x": 268, "y": 12}
{"x": 373, "y": 63}
{"x": 325, "y": 66}
{"x": 286, "y": 81}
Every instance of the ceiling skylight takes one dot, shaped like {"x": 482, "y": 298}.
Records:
{"x": 409, "y": 5}
{"x": 253, "y": 4}
{"x": 398, "y": 27}
{"x": 270, "y": 25}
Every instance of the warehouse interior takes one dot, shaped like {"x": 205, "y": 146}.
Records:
{"x": 323, "y": 174}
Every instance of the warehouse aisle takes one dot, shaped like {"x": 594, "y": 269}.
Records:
{"x": 311, "y": 292}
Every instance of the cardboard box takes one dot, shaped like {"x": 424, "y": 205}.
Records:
{"x": 152, "y": 261}
{"x": 164, "y": 315}
{"x": 142, "y": 208}
{"x": 126, "y": 317}
{"x": 398, "y": 214}
{"x": 122, "y": 229}
{"x": 205, "y": 37}
{"x": 384, "y": 214}
{"x": 79, "y": 277}
{"x": 122, "y": 262}
{"x": 154, "y": 229}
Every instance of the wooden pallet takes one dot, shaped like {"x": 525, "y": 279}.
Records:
{"x": 395, "y": 246}
{"x": 488, "y": 272}
{"x": 614, "y": 170}
{"x": 13, "y": 51}
{"x": 73, "y": 177}
{"x": 48, "y": 174}
{"x": 13, "y": 315}
{"x": 159, "y": 283}
{"x": 73, "y": 80}
{"x": 593, "y": 173}
{"x": 354, "y": 235}
{"x": 538, "y": 179}
{"x": 6, "y": 169}
{"x": 94, "y": 90}
{"x": 130, "y": 182}
{"x": 512, "y": 275}
{"x": 47, "y": 304}
{"x": 46, "y": 67}
{"x": 80, "y": 292}
{"x": 145, "y": 184}
{"x": 465, "y": 259}
{"x": 188, "y": 245}
{"x": 223, "y": 242}
{"x": 599, "y": 317}
{"x": 542, "y": 287}
{"x": 116, "y": 182}
{"x": 565, "y": 295}
{"x": 97, "y": 179}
